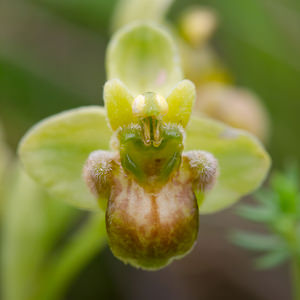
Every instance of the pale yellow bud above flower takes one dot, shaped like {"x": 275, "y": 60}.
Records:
{"x": 197, "y": 25}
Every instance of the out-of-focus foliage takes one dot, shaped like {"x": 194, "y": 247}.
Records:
{"x": 94, "y": 14}
{"x": 31, "y": 226}
{"x": 4, "y": 157}
{"x": 278, "y": 207}
{"x": 38, "y": 258}
{"x": 25, "y": 97}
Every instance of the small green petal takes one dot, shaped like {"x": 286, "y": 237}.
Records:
{"x": 181, "y": 101}
{"x": 243, "y": 162}
{"x": 118, "y": 103}
{"x": 54, "y": 152}
{"x": 144, "y": 57}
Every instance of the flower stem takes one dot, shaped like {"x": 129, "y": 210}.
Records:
{"x": 67, "y": 263}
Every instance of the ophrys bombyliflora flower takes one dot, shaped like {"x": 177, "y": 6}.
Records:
{"x": 152, "y": 168}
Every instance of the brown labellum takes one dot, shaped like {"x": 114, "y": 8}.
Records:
{"x": 149, "y": 230}
{"x": 148, "y": 227}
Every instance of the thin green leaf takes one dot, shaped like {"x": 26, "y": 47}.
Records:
{"x": 54, "y": 152}
{"x": 266, "y": 197}
{"x": 243, "y": 162}
{"x": 255, "y": 241}
{"x": 286, "y": 190}
{"x": 271, "y": 259}
{"x": 144, "y": 57}
{"x": 256, "y": 213}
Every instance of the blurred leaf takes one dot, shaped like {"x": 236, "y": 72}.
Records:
{"x": 280, "y": 211}
{"x": 66, "y": 264}
{"x": 255, "y": 241}
{"x": 54, "y": 152}
{"x": 265, "y": 197}
{"x": 271, "y": 259}
{"x": 286, "y": 189}
{"x": 32, "y": 224}
{"x": 257, "y": 213}
{"x": 94, "y": 14}
{"x": 144, "y": 58}
{"x": 26, "y": 97}
{"x": 243, "y": 162}
{"x": 4, "y": 157}
{"x": 258, "y": 29}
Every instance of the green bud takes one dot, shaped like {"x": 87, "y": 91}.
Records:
{"x": 197, "y": 24}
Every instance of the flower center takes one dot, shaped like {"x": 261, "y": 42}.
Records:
{"x": 149, "y": 108}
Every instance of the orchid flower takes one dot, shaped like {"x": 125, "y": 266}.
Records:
{"x": 142, "y": 158}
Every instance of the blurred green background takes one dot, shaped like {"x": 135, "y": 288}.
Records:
{"x": 52, "y": 58}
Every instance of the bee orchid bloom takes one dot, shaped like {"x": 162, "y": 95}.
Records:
{"x": 142, "y": 159}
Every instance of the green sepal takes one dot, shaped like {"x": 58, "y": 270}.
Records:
{"x": 144, "y": 57}
{"x": 54, "y": 151}
{"x": 243, "y": 162}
